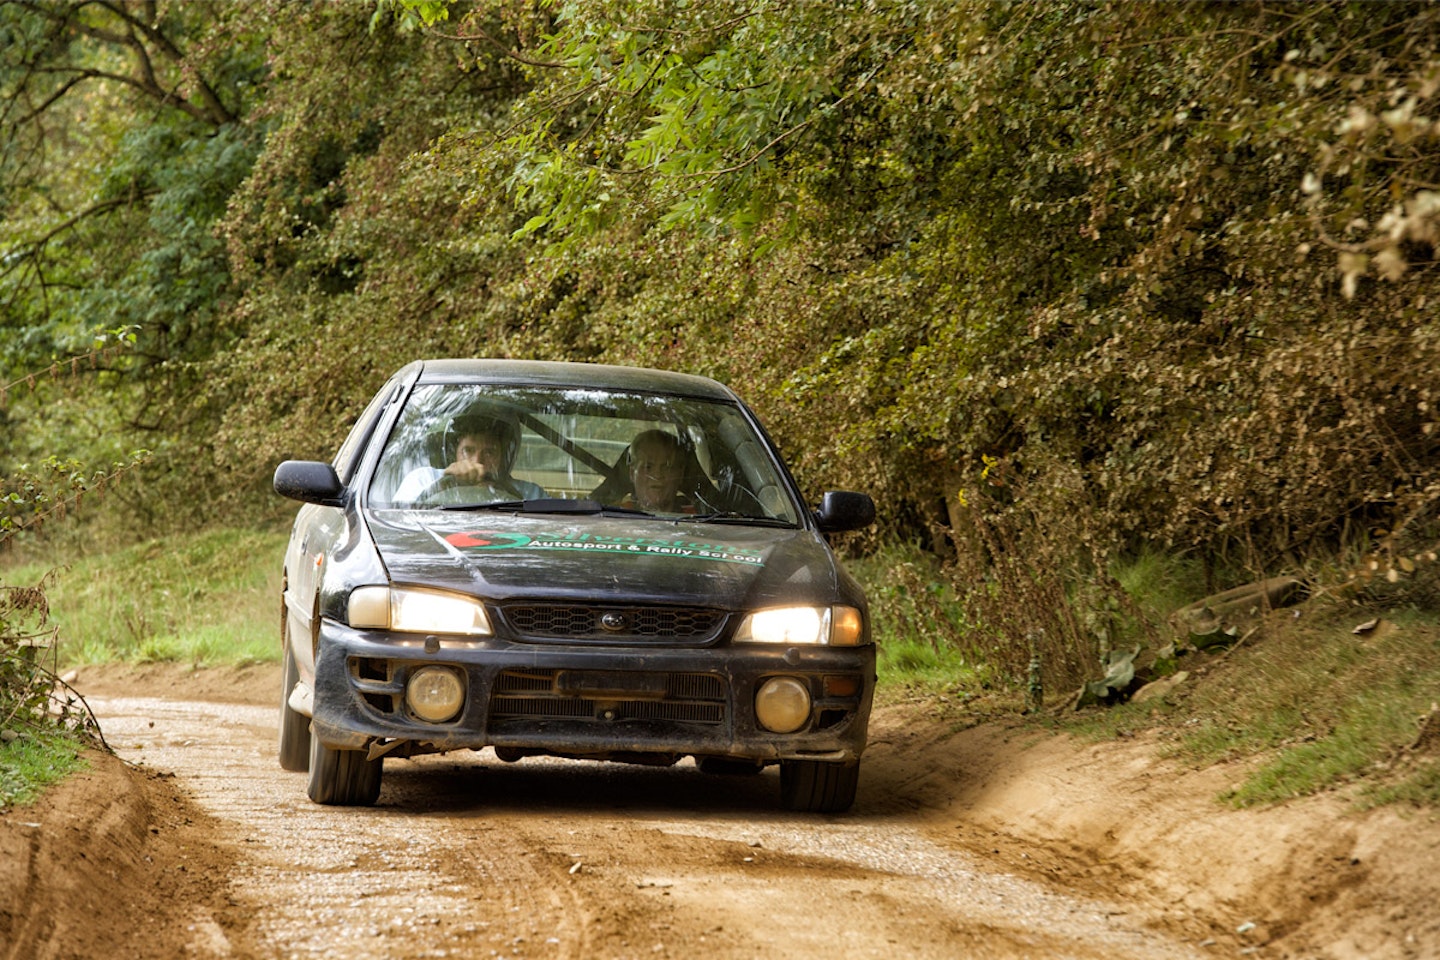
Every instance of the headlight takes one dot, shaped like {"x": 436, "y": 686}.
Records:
{"x": 837, "y": 626}
{"x": 414, "y": 610}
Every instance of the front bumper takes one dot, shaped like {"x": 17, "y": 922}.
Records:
{"x": 587, "y": 700}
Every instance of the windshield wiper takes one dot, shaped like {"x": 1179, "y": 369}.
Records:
{"x": 736, "y": 518}
{"x": 549, "y": 505}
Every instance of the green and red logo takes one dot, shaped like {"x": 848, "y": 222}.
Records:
{"x": 486, "y": 540}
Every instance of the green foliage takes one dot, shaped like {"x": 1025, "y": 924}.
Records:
{"x": 202, "y": 598}
{"x": 41, "y": 722}
{"x": 352, "y": 238}
{"x": 31, "y": 762}
{"x": 1059, "y": 283}
{"x": 1313, "y": 707}
{"x": 1071, "y": 238}
{"x": 25, "y": 636}
{"x": 32, "y": 496}
{"x": 1158, "y": 584}
{"x": 122, "y": 145}
{"x": 910, "y": 597}
{"x": 690, "y": 110}
{"x": 1322, "y": 706}
{"x": 52, "y": 487}
{"x": 411, "y": 14}
{"x": 917, "y": 622}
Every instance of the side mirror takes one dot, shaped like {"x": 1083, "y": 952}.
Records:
{"x": 841, "y": 510}
{"x": 310, "y": 481}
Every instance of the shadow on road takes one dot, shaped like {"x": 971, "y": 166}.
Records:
{"x": 484, "y": 786}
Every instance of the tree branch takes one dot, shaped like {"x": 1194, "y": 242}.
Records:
{"x": 218, "y": 113}
{"x": 210, "y": 108}
{"x": 504, "y": 50}
{"x": 63, "y": 89}
{"x": 31, "y": 247}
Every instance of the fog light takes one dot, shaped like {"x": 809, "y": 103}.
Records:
{"x": 435, "y": 694}
{"x": 782, "y": 705}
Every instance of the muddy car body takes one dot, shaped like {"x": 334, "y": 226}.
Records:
{"x": 550, "y": 608}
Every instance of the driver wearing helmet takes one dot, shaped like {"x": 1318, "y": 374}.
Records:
{"x": 480, "y": 451}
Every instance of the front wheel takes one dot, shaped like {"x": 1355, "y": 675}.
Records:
{"x": 294, "y": 727}
{"x": 343, "y": 778}
{"x": 814, "y": 786}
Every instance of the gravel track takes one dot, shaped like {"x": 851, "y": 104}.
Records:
{"x": 467, "y": 857}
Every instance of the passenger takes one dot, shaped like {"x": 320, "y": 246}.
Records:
{"x": 657, "y": 474}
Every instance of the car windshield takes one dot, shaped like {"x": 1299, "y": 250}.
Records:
{"x": 475, "y": 446}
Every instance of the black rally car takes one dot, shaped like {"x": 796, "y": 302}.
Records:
{"x": 573, "y": 560}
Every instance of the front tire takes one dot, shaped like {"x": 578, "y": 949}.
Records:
{"x": 294, "y": 727}
{"x": 343, "y": 778}
{"x": 814, "y": 786}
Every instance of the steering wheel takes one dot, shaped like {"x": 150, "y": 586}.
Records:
{"x": 451, "y": 491}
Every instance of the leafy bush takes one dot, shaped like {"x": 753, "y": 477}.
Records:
{"x": 33, "y": 699}
{"x": 1169, "y": 268}
{"x": 41, "y": 718}
{"x": 918, "y": 623}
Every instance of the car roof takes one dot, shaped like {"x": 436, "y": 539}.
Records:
{"x": 558, "y": 373}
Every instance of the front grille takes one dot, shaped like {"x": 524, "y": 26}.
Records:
{"x": 513, "y": 708}
{"x": 555, "y": 621}
{"x": 536, "y": 695}
{"x": 678, "y": 686}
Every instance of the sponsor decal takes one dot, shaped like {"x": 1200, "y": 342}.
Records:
{"x": 467, "y": 541}
{"x": 628, "y": 546}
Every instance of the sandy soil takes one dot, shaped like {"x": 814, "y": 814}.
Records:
{"x": 994, "y": 841}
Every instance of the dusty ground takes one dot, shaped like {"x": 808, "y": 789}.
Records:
{"x": 994, "y": 841}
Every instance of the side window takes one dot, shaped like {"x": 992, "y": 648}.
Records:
{"x": 345, "y": 458}
{"x": 754, "y": 472}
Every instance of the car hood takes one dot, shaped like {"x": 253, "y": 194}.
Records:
{"x": 506, "y": 556}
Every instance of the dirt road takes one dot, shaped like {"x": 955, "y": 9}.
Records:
{"x": 466, "y": 856}
{"x": 974, "y": 840}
